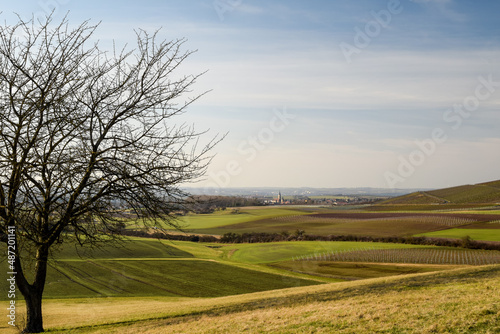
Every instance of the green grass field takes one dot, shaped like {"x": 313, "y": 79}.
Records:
{"x": 139, "y": 248}
{"x": 150, "y": 277}
{"x": 150, "y": 267}
{"x": 458, "y": 233}
{"x": 227, "y": 217}
{"x": 283, "y": 251}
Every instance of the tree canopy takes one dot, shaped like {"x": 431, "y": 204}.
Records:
{"x": 86, "y": 134}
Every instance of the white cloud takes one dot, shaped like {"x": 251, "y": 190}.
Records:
{"x": 385, "y": 79}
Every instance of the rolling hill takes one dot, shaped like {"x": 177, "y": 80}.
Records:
{"x": 458, "y": 301}
{"x": 481, "y": 193}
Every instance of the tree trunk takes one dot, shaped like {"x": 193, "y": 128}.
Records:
{"x": 33, "y": 293}
{"x": 34, "y": 320}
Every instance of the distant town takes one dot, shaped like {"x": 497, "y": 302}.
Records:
{"x": 204, "y": 204}
{"x": 332, "y": 200}
{"x": 207, "y": 200}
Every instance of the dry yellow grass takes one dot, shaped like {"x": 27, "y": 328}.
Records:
{"x": 464, "y": 308}
{"x": 457, "y": 301}
{"x": 416, "y": 313}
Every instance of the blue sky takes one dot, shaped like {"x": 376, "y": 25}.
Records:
{"x": 402, "y": 94}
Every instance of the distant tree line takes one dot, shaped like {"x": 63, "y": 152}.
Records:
{"x": 168, "y": 236}
{"x": 209, "y": 204}
{"x": 465, "y": 242}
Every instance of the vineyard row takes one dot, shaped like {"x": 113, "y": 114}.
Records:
{"x": 409, "y": 255}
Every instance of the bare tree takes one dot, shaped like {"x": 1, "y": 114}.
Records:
{"x": 82, "y": 130}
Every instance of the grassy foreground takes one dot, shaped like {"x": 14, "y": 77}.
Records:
{"x": 456, "y": 301}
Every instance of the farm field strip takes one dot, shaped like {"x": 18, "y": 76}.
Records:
{"x": 439, "y": 220}
{"x": 433, "y": 255}
{"x": 371, "y": 228}
{"x": 432, "y": 208}
{"x": 226, "y": 217}
{"x": 481, "y": 217}
{"x": 445, "y": 221}
{"x": 349, "y": 271}
{"x": 283, "y": 251}
{"x": 489, "y": 211}
{"x": 483, "y": 234}
{"x": 327, "y": 221}
{"x": 220, "y": 218}
{"x": 359, "y": 223}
